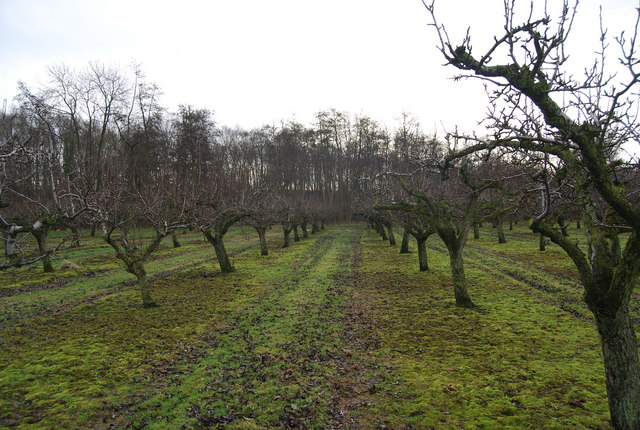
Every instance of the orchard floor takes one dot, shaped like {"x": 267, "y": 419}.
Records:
{"x": 336, "y": 331}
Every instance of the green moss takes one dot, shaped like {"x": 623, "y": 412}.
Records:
{"x": 517, "y": 362}
{"x": 263, "y": 347}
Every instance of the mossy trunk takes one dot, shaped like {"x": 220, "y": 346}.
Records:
{"x": 263, "y": 240}
{"x": 422, "y": 255}
{"x": 174, "y": 239}
{"x": 542, "y": 243}
{"x": 456, "y": 259}
{"x": 622, "y": 367}
{"x": 322, "y": 225}
{"x": 578, "y": 224}
{"x": 137, "y": 269}
{"x": 404, "y": 247}
{"x": 93, "y": 230}
{"x": 75, "y": 237}
{"x": 296, "y": 234}
{"x": 500, "y": 230}
{"x": 383, "y": 232}
{"x": 563, "y": 227}
{"x": 221, "y": 253}
{"x": 286, "y": 232}
{"x": 41, "y": 238}
{"x": 510, "y": 224}
{"x": 392, "y": 237}
{"x": 476, "y": 231}
{"x": 303, "y": 227}
{"x": 315, "y": 227}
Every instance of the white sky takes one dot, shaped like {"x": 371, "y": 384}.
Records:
{"x": 256, "y": 62}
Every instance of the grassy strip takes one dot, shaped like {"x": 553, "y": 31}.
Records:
{"x": 515, "y": 363}
{"x": 71, "y": 368}
{"x": 272, "y": 369}
{"x": 101, "y": 273}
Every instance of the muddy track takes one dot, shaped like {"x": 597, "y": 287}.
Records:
{"x": 171, "y": 371}
{"x": 353, "y": 386}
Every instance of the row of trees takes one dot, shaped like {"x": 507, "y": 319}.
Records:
{"x": 555, "y": 149}
{"x": 94, "y": 148}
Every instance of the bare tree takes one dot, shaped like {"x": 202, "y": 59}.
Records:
{"x": 122, "y": 213}
{"x": 538, "y": 107}
{"x": 264, "y": 215}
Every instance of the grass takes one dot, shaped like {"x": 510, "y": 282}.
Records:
{"x": 519, "y": 361}
{"x": 335, "y": 331}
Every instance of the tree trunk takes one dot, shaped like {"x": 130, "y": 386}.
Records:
{"x": 296, "y": 235}
{"x": 263, "y": 241}
{"x": 392, "y": 237}
{"x": 543, "y": 243}
{"x": 75, "y": 237}
{"x": 286, "y": 233}
{"x": 510, "y": 224}
{"x": 622, "y": 367}
{"x": 93, "y": 230}
{"x": 578, "y": 225}
{"x": 383, "y": 232}
{"x": 422, "y": 255}
{"x": 404, "y": 248}
{"x": 174, "y": 239}
{"x": 221, "y": 253}
{"x": 305, "y": 233}
{"x": 463, "y": 299}
{"x": 476, "y": 231}
{"x": 563, "y": 227}
{"x": 322, "y": 225}
{"x": 41, "y": 234}
{"x": 137, "y": 269}
{"x": 500, "y": 230}
{"x": 10, "y": 238}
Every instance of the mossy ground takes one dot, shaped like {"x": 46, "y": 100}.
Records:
{"x": 336, "y": 331}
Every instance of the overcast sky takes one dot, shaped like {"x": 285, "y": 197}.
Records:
{"x": 256, "y": 62}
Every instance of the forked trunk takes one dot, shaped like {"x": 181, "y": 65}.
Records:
{"x": 422, "y": 255}
{"x": 263, "y": 240}
{"x": 622, "y": 367}
{"x": 41, "y": 237}
{"x": 305, "y": 233}
{"x": 404, "y": 247}
{"x": 137, "y": 269}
